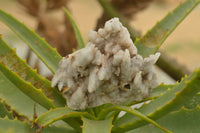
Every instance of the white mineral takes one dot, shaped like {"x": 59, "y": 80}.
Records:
{"x": 107, "y": 70}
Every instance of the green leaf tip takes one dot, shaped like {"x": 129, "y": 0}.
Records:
{"x": 77, "y": 32}
{"x": 154, "y": 38}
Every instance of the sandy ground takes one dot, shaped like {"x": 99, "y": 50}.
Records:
{"x": 183, "y": 44}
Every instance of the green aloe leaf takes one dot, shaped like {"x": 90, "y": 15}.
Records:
{"x": 16, "y": 126}
{"x": 182, "y": 121}
{"x": 155, "y": 93}
{"x": 6, "y": 131}
{"x": 40, "y": 47}
{"x": 77, "y": 32}
{"x": 22, "y": 96}
{"x": 170, "y": 101}
{"x": 4, "y": 112}
{"x": 193, "y": 102}
{"x": 136, "y": 113}
{"x": 154, "y": 38}
{"x": 54, "y": 129}
{"x": 58, "y": 114}
{"x": 16, "y": 99}
{"x": 160, "y": 90}
{"x": 26, "y": 88}
{"x": 94, "y": 126}
{"x": 63, "y": 113}
{"x": 130, "y": 111}
{"x": 9, "y": 57}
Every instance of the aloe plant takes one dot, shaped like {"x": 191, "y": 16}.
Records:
{"x": 28, "y": 103}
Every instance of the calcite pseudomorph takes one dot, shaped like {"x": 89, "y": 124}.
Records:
{"x": 107, "y": 70}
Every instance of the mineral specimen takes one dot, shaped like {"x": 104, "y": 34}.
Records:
{"x": 107, "y": 70}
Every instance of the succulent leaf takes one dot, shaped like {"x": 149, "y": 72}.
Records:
{"x": 9, "y": 57}
{"x": 4, "y": 111}
{"x": 77, "y": 32}
{"x": 26, "y": 88}
{"x": 153, "y": 39}
{"x": 40, "y": 47}
{"x": 16, "y": 126}
{"x": 182, "y": 121}
{"x": 170, "y": 101}
{"x": 94, "y": 126}
{"x": 15, "y": 98}
{"x": 130, "y": 111}
{"x": 63, "y": 113}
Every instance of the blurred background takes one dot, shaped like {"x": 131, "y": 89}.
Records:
{"x": 47, "y": 18}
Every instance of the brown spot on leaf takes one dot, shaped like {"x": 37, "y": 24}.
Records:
{"x": 36, "y": 42}
{"x": 3, "y": 63}
{"x": 65, "y": 115}
{"x": 47, "y": 49}
{"x": 43, "y": 126}
{"x": 154, "y": 37}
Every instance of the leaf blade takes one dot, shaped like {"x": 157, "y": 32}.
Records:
{"x": 16, "y": 99}
{"x": 131, "y": 111}
{"x": 172, "y": 100}
{"x": 40, "y": 47}
{"x": 142, "y": 116}
{"x": 57, "y": 114}
{"x": 27, "y": 88}
{"x": 16, "y": 126}
{"x": 77, "y": 32}
{"x": 184, "y": 121}
{"x": 61, "y": 113}
{"x": 154, "y": 38}
{"x": 193, "y": 102}
{"x": 4, "y": 111}
{"x": 9, "y": 57}
{"x": 155, "y": 93}
{"x": 101, "y": 126}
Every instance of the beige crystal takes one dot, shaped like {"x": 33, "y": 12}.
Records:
{"x": 107, "y": 70}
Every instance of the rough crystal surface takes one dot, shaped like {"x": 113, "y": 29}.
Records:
{"x": 107, "y": 70}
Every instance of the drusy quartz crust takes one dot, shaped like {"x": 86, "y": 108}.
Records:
{"x": 107, "y": 70}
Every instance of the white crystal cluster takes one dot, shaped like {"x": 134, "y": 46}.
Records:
{"x": 107, "y": 70}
